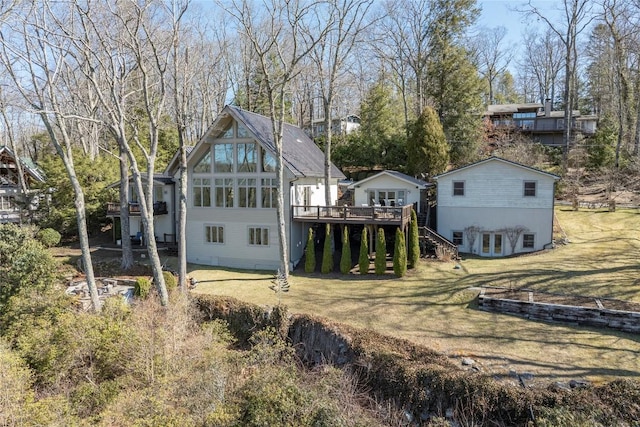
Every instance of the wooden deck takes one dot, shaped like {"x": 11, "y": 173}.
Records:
{"x": 377, "y": 215}
{"x": 113, "y": 208}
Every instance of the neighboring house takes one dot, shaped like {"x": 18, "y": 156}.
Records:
{"x": 496, "y": 207}
{"x": 164, "y": 211}
{"x": 231, "y": 219}
{"x": 11, "y": 194}
{"x": 391, "y": 188}
{"x": 340, "y": 126}
{"x": 539, "y": 122}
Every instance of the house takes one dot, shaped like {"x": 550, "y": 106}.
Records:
{"x": 496, "y": 207}
{"x": 231, "y": 216}
{"x": 164, "y": 210}
{"x": 391, "y": 188}
{"x": 539, "y": 121}
{"x": 12, "y": 196}
{"x": 339, "y": 126}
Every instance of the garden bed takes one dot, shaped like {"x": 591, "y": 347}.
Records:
{"x": 579, "y": 310}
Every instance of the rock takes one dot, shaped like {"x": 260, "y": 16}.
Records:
{"x": 560, "y": 386}
{"x": 527, "y": 376}
{"x": 467, "y": 361}
{"x": 579, "y": 383}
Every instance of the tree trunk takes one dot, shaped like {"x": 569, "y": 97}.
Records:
{"x": 327, "y": 152}
{"x": 182, "y": 219}
{"x": 125, "y": 223}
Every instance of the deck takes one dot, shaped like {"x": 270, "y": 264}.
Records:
{"x": 377, "y": 215}
{"x": 113, "y": 208}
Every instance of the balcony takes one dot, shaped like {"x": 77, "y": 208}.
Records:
{"x": 380, "y": 215}
{"x": 113, "y": 208}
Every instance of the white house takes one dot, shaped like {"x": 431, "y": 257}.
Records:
{"x": 231, "y": 216}
{"x": 13, "y": 201}
{"x": 390, "y": 188}
{"x": 496, "y": 207}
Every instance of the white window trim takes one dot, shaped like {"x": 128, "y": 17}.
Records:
{"x": 204, "y": 234}
{"x": 524, "y": 248}
{"x": 452, "y": 237}
{"x": 261, "y": 227}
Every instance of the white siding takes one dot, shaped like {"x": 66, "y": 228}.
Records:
{"x": 493, "y": 201}
{"x": 386, "y": 182}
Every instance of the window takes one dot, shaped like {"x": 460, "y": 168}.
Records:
{"x": 242, "y": 131}
{"x": 259, "y": 236}
{"x": 224, "y": 192}
{"x": 530, "y": 189}
{"x": 269, "y": 193}
{"x": 247, "y": 157}
{"x": 528, "y": 241}
{"x": 158, "y": 193}
{"x": 458, "y": 238}
{"x": 560, "y": 124}
{"x": 458, "y": 188}
{"x": 214, "y": 234}
{"x": 204, "y": 164}
{"x": 201, "y": 192}
{"x": 247, "y": 193}
{"x": 7, "y": 203}
{"x": 223, "y": 155}
{"x": 268, "y": 161}
{"x": 228, "y": 132}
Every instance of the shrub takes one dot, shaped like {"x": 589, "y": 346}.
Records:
{"x": 414, "y": 241}
{"x": 363, "y": 259}
{"x": 49, "y": 237}
{"x": 142, "y": 288}
{"x": 400, "y": 255}
{"x": 310, "y": 253}
{"x": 345, "y": 258}
{"x": 170, "y": 281}
{"x": 327, "y": 255}
{"x": 381, "y": 253}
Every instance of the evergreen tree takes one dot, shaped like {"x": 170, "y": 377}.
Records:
{"x": 400, "y": 255}
{"x": 310, "y": 253}
{"x": 327, "y": 255}
{"x": 427, "y": 146}
{"x": 381, "y": 253}
{"x": 602, "y": 147}
{"x": 345, "y": 259}
{"x": 363, "y": 259}
{"x": 414, "y": 241}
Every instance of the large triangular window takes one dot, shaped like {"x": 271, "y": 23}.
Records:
{"x": 204, "y": 164}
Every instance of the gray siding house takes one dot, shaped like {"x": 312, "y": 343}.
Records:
{"x": 496, "y": 207}
{"x": 231, "y": 219}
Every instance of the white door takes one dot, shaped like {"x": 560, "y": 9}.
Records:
{"x": 491, "y": 244}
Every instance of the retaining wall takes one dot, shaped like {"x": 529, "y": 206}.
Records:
{"x": 626, "y": 321}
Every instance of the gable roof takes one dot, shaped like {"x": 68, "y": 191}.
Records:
{"x": 496, "y": 159}
{"x": 29, "y": 166}
{"x": 173, "y": 163}
{"x": 395, "y": 174}
{"x": 299, "y": 153}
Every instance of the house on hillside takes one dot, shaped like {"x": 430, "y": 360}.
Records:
{"x": 391, "y": 188}
{"x": 231, "y": 219}
{"x": 539, "y": 121}
{"x": 496, "y": 207}
{"x": 339, "y": 126}
{"x": 13, "y": 200}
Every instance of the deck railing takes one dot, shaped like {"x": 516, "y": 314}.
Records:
{"x": 393, "y": 214}
{"x": 439, "y": 240}
{"x": 159, "y": 208}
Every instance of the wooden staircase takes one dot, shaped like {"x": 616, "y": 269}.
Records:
{"x": 442, "y": 244}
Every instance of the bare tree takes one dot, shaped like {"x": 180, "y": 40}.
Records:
{"x": 347, "y": 20}
{"x": 577, "y": 15}
{"x": 543, "y": 57}
{"x": 280, "y": 36}
{"x": 513, "y": 234}
{"x": 472, "y": 233}
{"x": 35, "y": 55}
{"x": 492, "y": 56}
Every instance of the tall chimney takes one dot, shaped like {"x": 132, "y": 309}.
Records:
{"x": 547, "y": 107}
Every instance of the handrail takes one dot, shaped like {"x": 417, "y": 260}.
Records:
{"x": 393, "y": 213}
{"x": 439, "y": 239}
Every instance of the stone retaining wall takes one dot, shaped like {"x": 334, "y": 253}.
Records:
{"x": 626, "y": 321}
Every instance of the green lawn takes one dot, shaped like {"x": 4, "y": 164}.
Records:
{"x": 434, "y": 304}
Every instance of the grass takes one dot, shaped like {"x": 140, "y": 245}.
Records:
{"x": 434, "y": 304}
